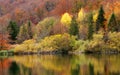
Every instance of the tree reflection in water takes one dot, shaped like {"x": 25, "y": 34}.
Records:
{"x": 76, "y": 71}
{"x": 14, "y": 69}
{"x": 91, "y": 69}
{"x": 64, "y": 65}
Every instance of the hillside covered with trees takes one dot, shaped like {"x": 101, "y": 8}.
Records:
{"x": 60, "y": 25}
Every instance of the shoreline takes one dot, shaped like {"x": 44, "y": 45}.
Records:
{"x": 12, "y": 53}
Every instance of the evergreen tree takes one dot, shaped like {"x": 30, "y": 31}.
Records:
{"x": 112, "y": 24}
{"x": 90, "y": 27}
{"x": 29, "y": 27}
{"x": 13, "y": 30}
{"x": 74, "y": 30}
{"x": 100, "y": 20}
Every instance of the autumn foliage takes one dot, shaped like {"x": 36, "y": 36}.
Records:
{"x": 3, "y": 42}
{"x": 48, "y": 21}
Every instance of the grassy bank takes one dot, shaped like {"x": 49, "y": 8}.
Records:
{"x": 6, "y": 53}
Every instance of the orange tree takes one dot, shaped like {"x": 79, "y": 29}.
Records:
{"x": 4, "y": 42}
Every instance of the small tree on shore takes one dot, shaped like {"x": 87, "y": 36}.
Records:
{"x": 25, "y": 32}
{"x": 112, "y": 24}
{"x": 30, "y": 32}
{"x": 90, "y": 27}
{"x": 100, "y": 19}
{"x": 13, "y": 30}
{"x": 74, "y": 30}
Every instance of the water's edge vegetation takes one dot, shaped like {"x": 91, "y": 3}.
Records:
{"x": 82, "y": 32}
{"x": 12, "y": 53}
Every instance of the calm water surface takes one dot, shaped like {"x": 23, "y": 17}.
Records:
{"x": 61, "y": 65}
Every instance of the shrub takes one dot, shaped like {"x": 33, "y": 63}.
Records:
{"x": 28, "y": 45}
{"x": 63, "y": 42}
{"x": 114, "y": 40}
{"x": 66, "y": 42}
{"x": 57, "y": 42}
{"x": 80, "y": 45}
{"x": 98, "y": 44}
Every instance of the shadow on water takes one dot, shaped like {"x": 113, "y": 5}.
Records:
{"x": 14, "y": 69}
{"x": 91, "y": 69}
{"x": 76, "y": 70}
{"x": 63, "y": 65}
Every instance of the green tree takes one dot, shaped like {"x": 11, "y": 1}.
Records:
{"x": 13, "y": 30}
{"x": 100, "y": 19}
{"x": 44, "y": 27}
{"x": 112, "y": 24}
{"x": 30, "y": 32}
{"x": 74, "y": 30}
{"x": 90, "y": 27}
{"x": 25, "y": 32}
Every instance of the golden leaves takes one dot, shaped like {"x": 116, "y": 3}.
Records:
{"x": 81, "y": 15}
{"x": 66, "y": 19}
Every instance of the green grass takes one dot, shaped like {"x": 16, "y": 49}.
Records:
{"x": 6, "y": 52}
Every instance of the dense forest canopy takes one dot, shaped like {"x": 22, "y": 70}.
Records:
{"x": 35, "y": 10}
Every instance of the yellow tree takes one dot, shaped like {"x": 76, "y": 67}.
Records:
{"x": 81, "y": 15}
{"x": 66, "y": 19}
{"x": 95, "y": 16}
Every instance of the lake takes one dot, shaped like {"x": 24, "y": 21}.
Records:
{"x": 61, "y": 65}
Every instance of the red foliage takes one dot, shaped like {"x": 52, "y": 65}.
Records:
{"x": 4, "y": 42}
{"x": 5, "y": 63}
{"x": 20, "y": 16}
{"x": 62, "y": 7}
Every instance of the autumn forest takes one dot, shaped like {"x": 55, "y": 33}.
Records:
{"x": 59, "y": 37}
{"x": 67, "y": 26}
